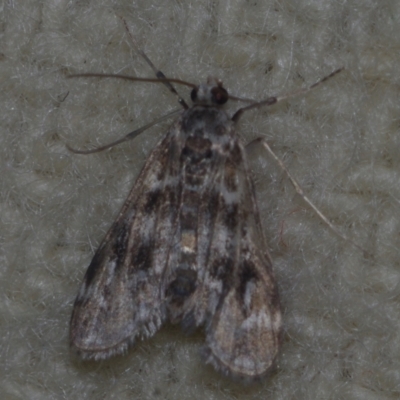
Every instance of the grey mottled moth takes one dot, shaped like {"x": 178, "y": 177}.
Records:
{"x": 187, "y": 247}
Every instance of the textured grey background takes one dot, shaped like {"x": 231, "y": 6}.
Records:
{"x": 341, "y": 307}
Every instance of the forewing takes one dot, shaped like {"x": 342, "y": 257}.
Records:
{"x": 244, "y": 319}
{"x": 120, "y": 296}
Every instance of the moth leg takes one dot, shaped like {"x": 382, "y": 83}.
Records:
{"x": 300, "y": 191}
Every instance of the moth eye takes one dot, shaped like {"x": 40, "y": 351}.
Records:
{"x": 193, "y": 95}
{"x": 219, "y": 95}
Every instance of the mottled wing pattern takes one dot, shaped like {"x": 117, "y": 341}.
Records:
{"x": 121, "y": 297}
{"x": 243, "y": 324}
{"x": 187, "y": 246}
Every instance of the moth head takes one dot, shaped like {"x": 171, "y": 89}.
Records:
{"x": 211, "y": 93}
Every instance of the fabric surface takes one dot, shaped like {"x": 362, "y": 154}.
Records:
{"x": 340, "y": 305}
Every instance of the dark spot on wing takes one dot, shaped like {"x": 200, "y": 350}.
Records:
{"x": 247, "y": 273}
{"x": 222, "y": 269}
{"x": 119, "y": 247}
{"x": 231, "y": 217}
{"x": 188, "y": 219}
{"x": 213, "y": 205}
{"x": 182, "y": 286}
{"x": 143, "y": 256}
{"x": 116, "y": 252}
{"x": 93, "y": 267}
{"x": 152, "y": 199}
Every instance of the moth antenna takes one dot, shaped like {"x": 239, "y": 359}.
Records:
{"x": 159, "y": 74}
{"x": 129, "y": 136}
{"x": 276, "y": 99}
{"x": 132, "y": 78}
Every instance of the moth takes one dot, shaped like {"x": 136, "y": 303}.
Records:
{"x": 187, "y": 247}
